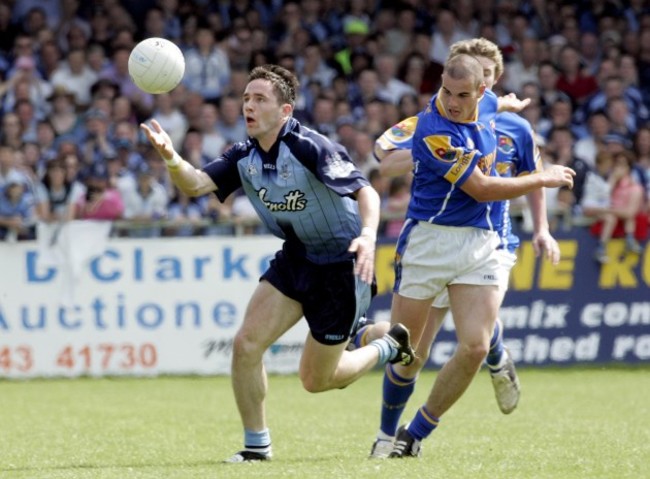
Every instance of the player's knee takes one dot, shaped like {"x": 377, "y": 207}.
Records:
{"x": 313, "y": 384}
{"x": 474, "y": 353}
{"x": 245, "y": 349}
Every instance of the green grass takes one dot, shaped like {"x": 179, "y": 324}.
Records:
{"x": 573, "y": 423}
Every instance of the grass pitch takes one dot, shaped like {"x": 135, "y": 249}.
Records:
{"x": 571, "y": 423}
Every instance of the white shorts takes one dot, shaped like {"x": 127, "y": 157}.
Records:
{"x": 430, "y": 257}
{"x": 507, "y": 260}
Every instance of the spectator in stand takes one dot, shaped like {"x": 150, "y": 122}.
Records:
{"x": 170, "y": 118}
{"x": 11, "y": 133}
{"x": 346, "y": 131}
{"x": 400, "y": 37}
{"x": 144, "y": 202}
{"x": 96, "y": 146}
{"x": 75, "y": 75}
{"x": 207, "y": 68}
{"x": 100, "y": 201}
{"x": 192, "y": 109}
{"x": 123, "y": 110}
{"x": 124, "y": 141}
{"x": 355, "y": 34}
{"x": 49, "y": 58}
{"x": 24, "y": 82}
{"x": 391, "y": 89}
{"x": 58, "y": 193}
{"x": 213, "y": 143}
{"x": 597, "y": 190}
{"x": 220, "y": 214}
{"x": 561, "y": 115}
{"x": 621, "y": 119}
{"x": 586, "y": 148}
{"x": 614, "y": 87}
{"x": 445, "y": 33}
{"x": 9, "y": 166}
{"x": 323, "y": 117}
{"x": 548, "y": 78}
{"x": 17, "y": 217}
{"x": 192, "y": 149}
{"x": 28, "y": 118}
{"x": 184, "y": 212}
{"x": 362, "y": 153}
{"x": 625, "y": 215}
{"x": 590, "y": 52}
{"x": 408, "y": 106}
{"x": 642, "y": 152}
{"x": 573, "y": 80}
{"x": 524, "y": 67}
{"x": 231, "y": 124}
{"x": 399, "y": 195}
{"x": 560, "y": 148}
{"x": 118, "y": 73}
{"x": 64, "y": 118}
{"x": 311, "y": 66}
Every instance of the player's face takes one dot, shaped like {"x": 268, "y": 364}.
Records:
{"x": 264, "y": 115}
{"x": 460, "y": 97}
{"x": 489, "y": 71}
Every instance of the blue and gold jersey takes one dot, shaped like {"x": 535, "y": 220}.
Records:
{"x": 516, "y": 155}
{"x": 445, "y": 154}
{"x": 301, "y": 189}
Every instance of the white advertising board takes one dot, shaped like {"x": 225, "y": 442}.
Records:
{"x": 139, "y": 307}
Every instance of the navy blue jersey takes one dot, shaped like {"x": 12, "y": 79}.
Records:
{"x": 301, "y": 189}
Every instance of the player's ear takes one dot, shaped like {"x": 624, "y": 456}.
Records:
{"x": 481, "y": 89}
{"x": 287, "y": 110}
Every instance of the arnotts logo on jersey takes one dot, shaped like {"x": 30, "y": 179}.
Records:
{"x": 337, "y": 167}
{"x": 293, "y": 201}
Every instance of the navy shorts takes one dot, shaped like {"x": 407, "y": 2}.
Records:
{"x": 332, "y": 297}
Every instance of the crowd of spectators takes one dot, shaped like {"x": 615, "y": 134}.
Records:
{"x": 70, "y": 146}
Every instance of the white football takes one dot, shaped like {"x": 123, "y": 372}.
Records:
{"x": 156, "y": 65}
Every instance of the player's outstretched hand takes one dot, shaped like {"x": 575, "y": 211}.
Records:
{"x": 557, "y": 176}
{"x": 159, "y": 139}
{"x": 510, "y": 102}
{"x": 364, "y": 247}
{"x": 544, "y": 243}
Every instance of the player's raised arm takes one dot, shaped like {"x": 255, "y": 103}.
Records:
{"x": 494, "y": 188}
{"x": 187, "y": 178}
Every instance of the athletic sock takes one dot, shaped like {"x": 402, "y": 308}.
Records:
{"x": 396, "y": 393}
{"x": 257, "y": 441}
{"x": 496, "y": 357}
{"x": 386, "y": 351}
{"x": 360, "y": 339}
{"x": 422, "y": 424}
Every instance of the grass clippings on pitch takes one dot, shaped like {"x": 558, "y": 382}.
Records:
{"x": 571, "y": 423}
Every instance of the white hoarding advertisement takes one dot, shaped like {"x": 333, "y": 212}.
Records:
{"x": 137, "y": 307}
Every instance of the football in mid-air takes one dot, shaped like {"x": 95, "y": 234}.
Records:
{"x": 156, "y": 65}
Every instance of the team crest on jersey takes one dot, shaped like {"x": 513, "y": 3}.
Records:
{"x": 252, "y": 169}
{"x": 403, "y": 130}
{"x": 337, "y": 167}
{"x": 284, "y": 173}
{"x": 505, "y": 144}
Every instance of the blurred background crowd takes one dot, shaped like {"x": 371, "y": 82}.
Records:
{"x": 70, "y": 145}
